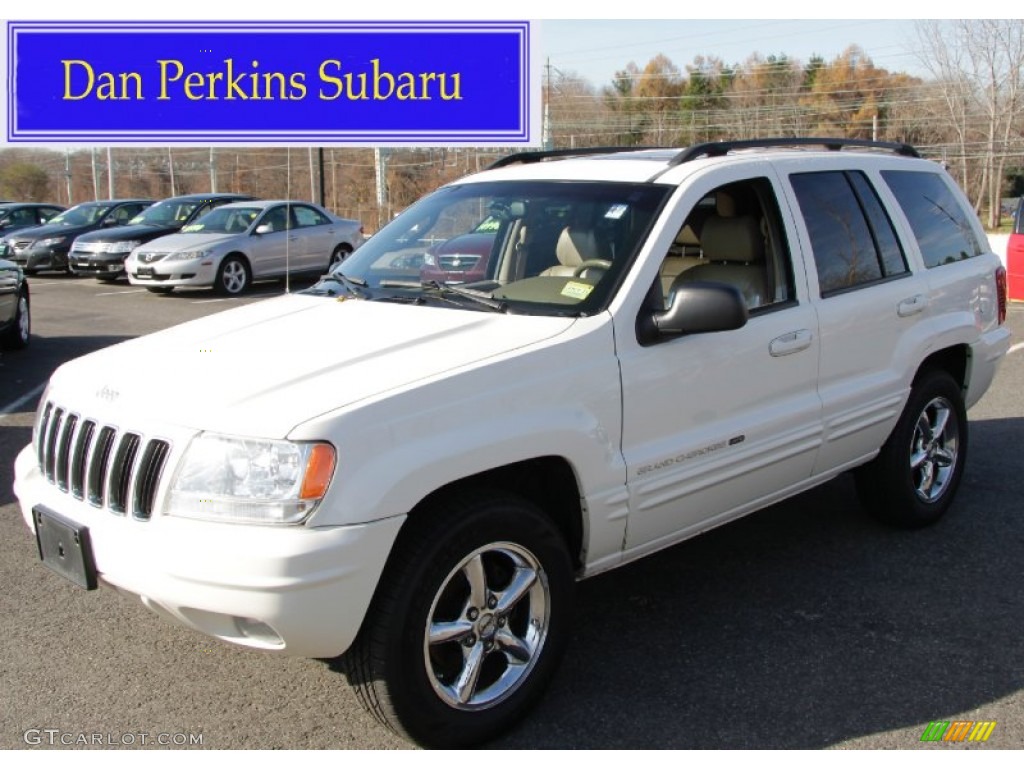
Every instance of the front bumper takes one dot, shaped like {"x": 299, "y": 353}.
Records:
{"x": 88, "y": 263}
{"x": 39, "y": 258}
{"x": 310, "y": 586}
{"x": 194, "y": 273}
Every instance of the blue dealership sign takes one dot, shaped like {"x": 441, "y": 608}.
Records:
{"x": 358, "y": 83}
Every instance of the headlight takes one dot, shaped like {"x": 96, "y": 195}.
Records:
{"x": 429, "y": 260}
{"x": 188, "y": 255}
{"x": 245, "y": 480}
{"x": 49, "y": 242}
{"x": 123, "y": 247}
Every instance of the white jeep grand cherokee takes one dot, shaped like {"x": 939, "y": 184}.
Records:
{"x": 413, "y": 472}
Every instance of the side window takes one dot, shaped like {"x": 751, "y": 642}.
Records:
{"x": 23, "y": 216}
{"x": 853, "y": 240}
{"x": 943, "y": 229}
{"x": 733, "y": 235}
{"x": 308, "y": 217}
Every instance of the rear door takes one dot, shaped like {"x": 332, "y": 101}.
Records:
{"x": 869, "y": 307}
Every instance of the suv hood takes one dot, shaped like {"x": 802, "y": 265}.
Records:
{"x": 129, "y": 232}
{"x": 263, "y": 369}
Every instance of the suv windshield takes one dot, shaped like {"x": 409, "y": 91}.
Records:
{"x": 536, "y": 247}
{"x": 224, "y": 220}
{"x": 80, "y": 215}
{"x": 166, "y": 212}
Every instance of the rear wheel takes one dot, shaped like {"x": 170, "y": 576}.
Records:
{"x": 233, "y": 276}
{"x": 339, "y": 254}
{"x": 912, "y": 481}
{"x": 468, "y": 622}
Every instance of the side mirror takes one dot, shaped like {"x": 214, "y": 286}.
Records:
{"x": 264, "y": 229}
{"x": 697, "y": 307}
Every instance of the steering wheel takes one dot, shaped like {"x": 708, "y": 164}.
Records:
{"x": 601, "y": 264}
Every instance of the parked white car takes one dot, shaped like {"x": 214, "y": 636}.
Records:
{"x": 236, "y": 244}
{"x": 412, "y": 474}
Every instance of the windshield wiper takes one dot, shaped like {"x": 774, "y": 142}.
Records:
{"x": 444, "y": 289}
{"x": 354, "y": 285}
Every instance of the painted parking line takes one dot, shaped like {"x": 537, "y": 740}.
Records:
{"x": 13, "y": 407}
{"x": 121, "y": 293}
{"x": 1016, "y": 348}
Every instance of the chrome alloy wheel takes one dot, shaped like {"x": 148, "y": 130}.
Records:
{"x": 24, "y": 320}
{"x": 234, "y": 277}
{"x": 487, "y": 626}
{"x": 933, "y": 449}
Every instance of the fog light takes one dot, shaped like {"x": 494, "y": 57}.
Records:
{"x": 257, "y": 631}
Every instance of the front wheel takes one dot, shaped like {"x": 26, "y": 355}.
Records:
{"x": 912, "y": 481}
{"x": 233, "y": 276}
{"x": 468, "y": 623}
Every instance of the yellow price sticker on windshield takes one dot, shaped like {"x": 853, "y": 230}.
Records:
{"x": 577, "y": 290}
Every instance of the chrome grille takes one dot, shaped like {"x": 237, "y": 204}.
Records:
{"x": 111, "y": 468}
{"x": 149, "y": 257}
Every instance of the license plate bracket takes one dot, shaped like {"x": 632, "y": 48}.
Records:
{"x": 65, "y": 547}
{"x": 145, "y": 272}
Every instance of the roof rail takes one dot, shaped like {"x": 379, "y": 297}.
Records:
{"x": 720, "y": 148}
{"x": 536, "y": 156}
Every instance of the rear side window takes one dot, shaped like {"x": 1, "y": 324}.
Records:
{"x": 853, "y": 240}
{"x": 944, "y": 230}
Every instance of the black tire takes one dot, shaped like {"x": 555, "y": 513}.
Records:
{"x": 913, "y": 480}
{"x": 233, "y": 276}
{"x": 412, "y": 685}
{"x": 339, "y": 254}
{"x": 163, "y": 289}
{"x": 19, "y": 333}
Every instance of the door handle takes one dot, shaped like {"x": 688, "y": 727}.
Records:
{"x": 912, "y": 306}
{"x": 789, "y": 343}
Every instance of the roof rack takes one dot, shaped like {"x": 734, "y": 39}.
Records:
{"x": 720, "y": 148}
{"x": 536, "y": 156}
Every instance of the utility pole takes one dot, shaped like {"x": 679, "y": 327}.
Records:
{"x": 380, "y": 162}
{"x": 110, "y": 173}
{"x": 95, "y": 175}
{"x": 213, "y": 172}
{"x": 546, "y": 128}
{"x": 170, "y": 168}
{"x": 67, "y": 172}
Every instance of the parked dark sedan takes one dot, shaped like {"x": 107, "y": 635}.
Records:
{"x": 47, "y": 247}
{"x": 15, "y": 216}
{"x": 103, "y": 253}
{"x": 15, "y": 322}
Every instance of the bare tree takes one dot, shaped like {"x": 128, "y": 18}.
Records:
{"x": 978, "y": 65}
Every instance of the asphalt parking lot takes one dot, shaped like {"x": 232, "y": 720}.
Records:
{"x": 804, "y": 626}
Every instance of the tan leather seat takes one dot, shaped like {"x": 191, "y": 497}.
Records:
{"x": 683, "y": 255}
{"x": 575, "y": 245}
{"x": 734, "y": 254}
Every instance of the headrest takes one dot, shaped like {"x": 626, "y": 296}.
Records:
{"x": 687, "y": 236}
{"x": 725, "y": 204}
{"x": 576, "y": 246}
{"x": 732, "y": 240}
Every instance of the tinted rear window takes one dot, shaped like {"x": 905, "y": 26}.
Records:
{"x": 944, "y": 230}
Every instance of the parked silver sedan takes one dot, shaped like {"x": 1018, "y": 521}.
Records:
{"x": 235, "y": 244}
